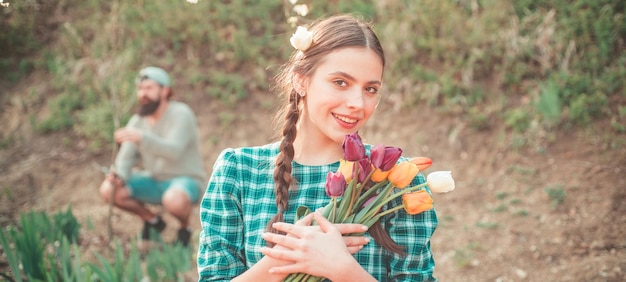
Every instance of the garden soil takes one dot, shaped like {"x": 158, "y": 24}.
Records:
{"x": 552, "y": 210}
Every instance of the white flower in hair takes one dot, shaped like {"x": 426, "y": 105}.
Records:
{"x": 301, "y": 39}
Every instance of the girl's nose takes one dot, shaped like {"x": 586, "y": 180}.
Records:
{"x": 354, "y": 99}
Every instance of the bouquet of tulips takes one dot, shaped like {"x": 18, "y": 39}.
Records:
{"x": 364, "y": 184}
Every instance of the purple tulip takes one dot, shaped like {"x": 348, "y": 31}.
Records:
{"x": 384, "y": 157}
{"x": 353, "y": 148}
{"x": 365, "y": 167}
{"x": 392, "y": 154}
{"x": 335, "y": 184}
{"x": 377, "y": 153}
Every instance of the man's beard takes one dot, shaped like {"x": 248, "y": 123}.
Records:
{"x": 146, "y": 109}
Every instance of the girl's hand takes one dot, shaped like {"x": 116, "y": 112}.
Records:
{"x": 316, "y": 250}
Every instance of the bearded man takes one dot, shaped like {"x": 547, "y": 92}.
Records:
{"x": 164, "y": 135}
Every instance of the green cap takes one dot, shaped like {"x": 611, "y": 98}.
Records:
{"x": 156, "y": 74}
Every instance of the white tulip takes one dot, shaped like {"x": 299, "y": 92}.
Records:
{"x": 440, "y": 181}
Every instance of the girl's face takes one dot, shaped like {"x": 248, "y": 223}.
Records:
{"x": 342, "y": 94}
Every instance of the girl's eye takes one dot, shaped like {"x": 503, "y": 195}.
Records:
{"x": 372, "y": 90}
{"x": 341, "y": 83}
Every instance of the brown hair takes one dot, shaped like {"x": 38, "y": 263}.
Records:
{"x": 329, "y": 34}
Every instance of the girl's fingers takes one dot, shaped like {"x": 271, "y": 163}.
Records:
{"x": 355, "y": 241}
{"x": 350, "y": 228}
{"x": 280, "y": 240}
{"x": 354, "y": 250}
{"x": 286, "y": 269}
{"x": 305, "y": 221}
{"x": 279, "y": 254}
{"x": 344, "y": 228}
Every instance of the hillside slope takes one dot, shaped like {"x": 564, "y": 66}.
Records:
{"x": 516, "y": 215}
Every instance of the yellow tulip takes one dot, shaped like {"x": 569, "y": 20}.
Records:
{"x": 346, "y": 168}
{"x": 403, "y": 174}
{"x": 417, "y": 202}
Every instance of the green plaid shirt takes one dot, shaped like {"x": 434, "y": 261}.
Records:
{"x": 240, "y": 201}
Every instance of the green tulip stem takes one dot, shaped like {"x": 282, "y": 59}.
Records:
{"x": 333, "y": 213}
{"x": 343, "y": 211}
{"x": 386, "y": 200}
{"x": 355, "y": 179}
{"x": 363, "y": 198}
{"x": 389, "y": 211}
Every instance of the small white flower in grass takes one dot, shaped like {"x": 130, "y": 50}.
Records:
{"x": 301, "y": 39}
{"x": 193, "y": 1}
{"x": 301, "y": 9}
{"x": 292, "y": 20}
{"x": 293, "y": 2}
{"x": 440, "y": 181}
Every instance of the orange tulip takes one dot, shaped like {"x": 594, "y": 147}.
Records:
{"x": 379, "y": 175}
{"x": 346, "y": 168}
{"x": 417, "y": 202}
{"x": 422, "y": 162}
{"x": 402, "y": 174}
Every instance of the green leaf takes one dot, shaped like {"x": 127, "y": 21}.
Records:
{"x": 301, "y": 212}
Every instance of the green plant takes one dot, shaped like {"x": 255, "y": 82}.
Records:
{"x": 500, "y": 208}
{"x": 168, "y": 262}
{"x": 522, "y": 213}
{"x": 518, "y": 119}
{"x": 463, "y": 258}
{"x": 487, "y": 225}
{"x": 27, "y": 245}
{"x": 556, "y": 194}
{"x": 124, "y": 268}
{"x": 502, "y": 195}
{"x": 228, "y": 88}
{"x": 549, "y": 103}
{"x": 67, "y": 225}
{"x": 585, "y": 107}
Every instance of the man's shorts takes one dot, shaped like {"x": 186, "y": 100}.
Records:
{"x": 149, "y": 190}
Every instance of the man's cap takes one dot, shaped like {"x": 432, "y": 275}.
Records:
{"x": 156, "y": 74}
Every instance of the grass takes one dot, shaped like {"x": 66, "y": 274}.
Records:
{"x": 556, "y": 193}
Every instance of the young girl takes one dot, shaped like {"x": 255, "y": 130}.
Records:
{"x": 331, "y": 86}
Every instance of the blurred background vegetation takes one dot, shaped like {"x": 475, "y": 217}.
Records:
{"x": 528, "y": 65}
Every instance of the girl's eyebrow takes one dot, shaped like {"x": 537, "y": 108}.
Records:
{"x": 349, "y": 77}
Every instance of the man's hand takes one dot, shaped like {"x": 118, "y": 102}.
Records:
{"x": 115, "y": 180}
{"x": 125, "y": 134}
